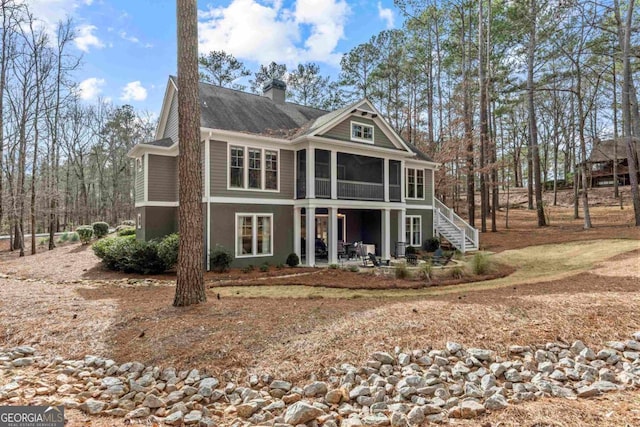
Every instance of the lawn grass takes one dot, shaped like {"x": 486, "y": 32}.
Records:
{"x": 534, "y": 264}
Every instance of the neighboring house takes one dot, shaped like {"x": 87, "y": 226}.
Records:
{"x": 603, "y": 155}
{"x": 281, "y": 178}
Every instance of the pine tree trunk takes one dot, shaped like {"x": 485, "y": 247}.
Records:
{"x": 190, "y": 281}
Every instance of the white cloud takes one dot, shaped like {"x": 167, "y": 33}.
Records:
{"x": 268, "y": 32}
{"x": 134, "y": 91}
{"x": 89, "y": 89}
{"x": 88, "y": 2}
{"x": 133, "y": 39}
{"x": 386, "y": 15}
{"x": 85, "y": 38}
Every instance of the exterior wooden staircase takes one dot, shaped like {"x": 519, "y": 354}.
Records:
{"x": 457, "y": 231}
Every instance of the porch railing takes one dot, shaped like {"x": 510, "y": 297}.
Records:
{"x": 357, "y": 190}
{"x": 394, "y": 193}
{"x": 323, "y": 187}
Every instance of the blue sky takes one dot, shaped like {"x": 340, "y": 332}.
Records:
{"x": 129, "y": 49}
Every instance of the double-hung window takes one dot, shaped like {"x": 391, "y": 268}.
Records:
{"x": 361, "y": 132}
{"x": 255, "y": 171}
{"x": 253, "y": 168}
{"x": 414, "y": 230}
{"x": 236, "y": 178}
{"x": 271, "y": 170}
{"x": 415, "y": 183}
{"x": 254, "y": 235}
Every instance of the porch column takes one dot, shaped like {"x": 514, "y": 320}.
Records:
{"x": 332, "y": 223}
{"x": 403, "y": 176}
{"x": 311, "y": 237}
{"x": 386, "y": 180}
{"x": 297, "y": 225}
{"x": 402, "y": 226}
{"x": 385, "y": 250}
{"x": 311, "y": 173}
{"x": 334, "y": 174}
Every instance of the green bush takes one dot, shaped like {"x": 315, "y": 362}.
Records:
{"x": 426, "y": 270}
{"x": 293, "y": 260}
{"x": 220, "y": 259}
{"x": 248, "y": 268}
{"x": 168, "y": 250}
{"x": 410, "y": 250}
{"x": 264, "y": 267}
{"x": 457, "y": 272}
{"x": 129, "y": 255}
{"x": 431, "y": 245}
{"x": 401, "y": 271}
{"x": 64, "y": 237}
{"x": 354, "y": 268}
{"x": 333, "y": 266}
{"x": 43, "y": 241}
{"x": 126, "y": 231}
{"x": 100, "y": 229}
{"x": 480, "y": 263}
{"x": 85, "y": 233}
{"x": 74, "y": 237}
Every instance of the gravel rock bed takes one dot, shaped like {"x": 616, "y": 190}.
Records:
{"x": 406, "y": 388}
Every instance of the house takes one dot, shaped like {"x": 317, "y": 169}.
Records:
{"x": 603, "y": 155}
{"x": 281, "y": 177}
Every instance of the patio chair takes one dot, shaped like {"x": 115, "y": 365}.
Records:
{"x": 374, "y": 260}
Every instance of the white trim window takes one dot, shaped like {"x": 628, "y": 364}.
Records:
{"x": 236, "y": 169}
{"x": 414, "y": 184}
{"x": 361, "y": 132}
{"x": 270, "y": 170}
{"x": 254, "y": 235}
{"x": 414, "y": 230}
{"x": 253, "y": 169}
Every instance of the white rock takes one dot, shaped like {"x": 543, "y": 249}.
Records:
{"x": 301, "y": 413}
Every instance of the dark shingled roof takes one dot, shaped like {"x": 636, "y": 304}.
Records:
{"x": 229, "y": 109}
{"x": 603, "y": 151}
{"x": 164, "y": 142}
{"x": 234, "y": 110}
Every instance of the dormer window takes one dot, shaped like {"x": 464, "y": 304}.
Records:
{"x": 361, "y": 132}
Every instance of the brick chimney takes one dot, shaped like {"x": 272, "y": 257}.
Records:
{"x": 275, "y": 90}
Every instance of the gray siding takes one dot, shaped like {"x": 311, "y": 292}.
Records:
{"x": 139, "y": 184}
{"x": 342, "y": 131}
{"x": 428, "y": 190}
{"x": 171, "y": 127}
{"x": 157, "y": 222}
{"x": 163, "y": 178}
{"x": 223, "y": 232}
{"x": 427, "y": 222}
{"x": 219, "y": 171}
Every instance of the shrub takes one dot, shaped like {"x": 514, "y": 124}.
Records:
{"x": 293, "y": 260}
{"x": 457, "y": 255}
{"x": 220, "y": 259}
{"x": 248, "y": 269}
{"x": 280, "y": 266}
{"x": 431, "y": 245}
{"x": 100, "y": 229}
{"x": 401, "y": 271}
{"x": 426, "y": 270}
{"x": 264, "y": 267}
{"x": 410, "y": 250}
{"x": 457, "y": 272}
{"x": 129, "y": 255}
{"x": 64, "y": 237}
{"x": 333, "y": 266}
{"x": 168, "y": 250}
{"x": 74, "y": 237}
{"x": 126, "y": 231}
{"x": 354, "y": 268}
{"x": 480, "y": 264}
{"x": 85, "y": 233}
{"x": 43, "y": 241}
